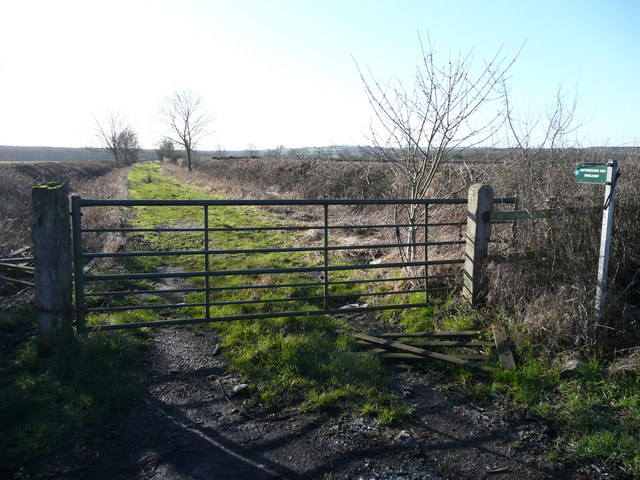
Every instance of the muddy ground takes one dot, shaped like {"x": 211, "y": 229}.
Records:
{"x": 188, "y": 424}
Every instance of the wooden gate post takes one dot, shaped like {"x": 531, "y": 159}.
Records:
{"x": 51, "y": 232}
{"x": 478, "y": 234}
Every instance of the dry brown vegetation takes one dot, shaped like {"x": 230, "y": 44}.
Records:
{"x": 546, "y": 279}
{"x": 267, "y": 178}
{"x": 293, "y": 178}
{"x": 542, "y": 273}
{"x": 95, "y": 179}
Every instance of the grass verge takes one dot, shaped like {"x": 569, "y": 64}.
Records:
{"x": 46, "y": 398}
{"x": 596, "y": 412}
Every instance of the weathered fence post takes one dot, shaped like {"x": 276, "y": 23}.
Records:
{"x": 51, "y": 231}
{"x": 478, "y": 234}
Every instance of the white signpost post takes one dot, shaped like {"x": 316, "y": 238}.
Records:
{"x": 607, "y": 174}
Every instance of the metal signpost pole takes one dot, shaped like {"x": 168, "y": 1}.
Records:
{"x": 605, "y": 236}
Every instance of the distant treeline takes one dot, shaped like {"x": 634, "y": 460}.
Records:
{"x": 58, "y": 154}
{"x": 340, "y": 152}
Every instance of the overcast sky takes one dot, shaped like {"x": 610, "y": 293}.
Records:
{"x": 277, "y": 72}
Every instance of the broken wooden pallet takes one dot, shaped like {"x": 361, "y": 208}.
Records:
{"x": 17, "y": 268}
{"x": 393, "y": 346}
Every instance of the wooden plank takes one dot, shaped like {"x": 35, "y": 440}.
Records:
{"x": 383, "y": 353}
{"x": 11, "y": 266}
{"x": 504, "y": 347}
{"x": 496, "y": 217}
{"x": 18, "y": 251}
{"x": 16, "y": 259}
{"x": 386, "y": 354}
{"x": 16, "y": 281}
{"x": 449, "y": 343}
{"x": 421, "y": 352}
{"x": 430, "y": 334}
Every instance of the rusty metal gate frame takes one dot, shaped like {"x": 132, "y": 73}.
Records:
{"x": 81, "y": 278}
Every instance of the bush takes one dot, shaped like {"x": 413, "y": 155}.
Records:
{"x": 292, "y": 178}
{"x": 546, "y": 278}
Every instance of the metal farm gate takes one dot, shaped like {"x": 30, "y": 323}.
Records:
{"x": 117, "y": 269}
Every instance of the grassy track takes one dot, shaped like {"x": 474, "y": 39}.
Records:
{"x": 307, "y": 361}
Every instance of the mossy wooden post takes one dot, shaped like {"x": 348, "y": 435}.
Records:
{"x": 51, "y": 231}
{"x": 478, "y": 234}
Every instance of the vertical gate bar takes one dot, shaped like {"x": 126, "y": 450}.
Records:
{"x": 78, "y": 274}
{"x": 326, "y": 254}
{"x": 426, "y": 251}
{"x": 206, "y": 262}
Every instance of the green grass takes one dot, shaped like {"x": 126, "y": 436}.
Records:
{"x": 309, "y": 361}
{"x": 444, "y": 313}
{"x": 597, "y": 414}
{"x": 45, "y": 399}
{"x": 16, "y": 313}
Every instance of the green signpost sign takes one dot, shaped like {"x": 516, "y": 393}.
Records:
{"x": 591, "y": 173}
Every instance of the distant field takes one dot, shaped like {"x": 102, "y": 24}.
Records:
{"x": 57, "y": 154}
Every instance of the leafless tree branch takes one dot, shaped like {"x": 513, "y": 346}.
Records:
{"x": 185, "y": 120}
{"x": 118, "y": 138}
{"x": 443, "y": 112}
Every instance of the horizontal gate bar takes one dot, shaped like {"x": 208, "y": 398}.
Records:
{"x": 258, "y": 316}
{"x": 83, "y": 202}
{"x": 269, "y": 285}
{"x": 253, "y": 302}
{"x": 271, "y": 250}
{"x": 221, "y": 273}
{"x": 238, "y": 202}
{"x": 271, "y": 229}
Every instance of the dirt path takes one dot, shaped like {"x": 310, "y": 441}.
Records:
{"x": 188, "y": 426}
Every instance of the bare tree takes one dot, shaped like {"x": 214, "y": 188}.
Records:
{"x": 542, "y": 137}
{"x": 445, "y": 109}
{"x": 250, "y": 151}
{"x": 129, "y": 146}
{"x": 118, "y": 138}
{"x": 186, "y": 121}
{"x": 166, "y": 150}
{"x": 220, "y": 152}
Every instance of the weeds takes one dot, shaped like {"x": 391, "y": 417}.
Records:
{"x": 297, "y": 178}
{"x": 546, "y": 277}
